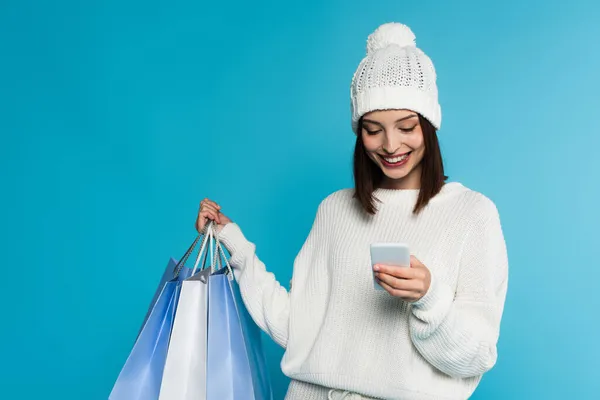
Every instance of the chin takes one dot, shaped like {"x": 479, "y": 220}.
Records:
{"x": 395, "y": 177}
{"x": 397, "y": 174}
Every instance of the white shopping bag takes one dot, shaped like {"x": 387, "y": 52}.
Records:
{"x": 184, "y": 376}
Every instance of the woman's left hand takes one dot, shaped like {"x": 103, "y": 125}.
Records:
{"x": 409, "y": 284}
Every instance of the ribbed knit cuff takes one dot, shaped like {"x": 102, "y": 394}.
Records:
{"x": 439, "y": 293}
{"x": 236, "y": 243}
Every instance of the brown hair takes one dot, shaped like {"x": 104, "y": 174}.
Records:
{"x": 368, "y": 176}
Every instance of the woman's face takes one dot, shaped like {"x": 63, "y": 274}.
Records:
{"x": 394, "y": 140}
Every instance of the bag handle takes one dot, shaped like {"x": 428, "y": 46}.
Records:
{"x": 183, "y": 260}
{"x": 221, "y": 253}
{"x": 208, "y": 237}
{"x": 190, "y": 250}
{"x": 217, "y": 254}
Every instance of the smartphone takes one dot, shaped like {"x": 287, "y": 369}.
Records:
{"x": 396, "y": 254}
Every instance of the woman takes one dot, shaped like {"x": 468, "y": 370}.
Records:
{"x": 433, "y": 332}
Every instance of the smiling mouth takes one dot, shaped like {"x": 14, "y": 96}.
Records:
{"x": 395, "y": 161}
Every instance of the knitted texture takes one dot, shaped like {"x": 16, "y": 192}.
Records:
{"x": 340, "y": 332}
{"x": 395, "y": 74}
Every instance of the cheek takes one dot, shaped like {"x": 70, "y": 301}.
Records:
{"x": 416, "y": 143}
{"x": 371, "y": 144}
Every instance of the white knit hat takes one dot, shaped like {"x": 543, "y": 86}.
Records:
{"x": 395, "y": 74}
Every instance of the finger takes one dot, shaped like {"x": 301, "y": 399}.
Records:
{"x": 398, "y": 272}
{"x": 415, "y": 262}
{"x": 209, "y": 214}
{"x": 209, "y": 202}
{"x": 211, "y": 208}
{"x": 404, "y": 295}
{"x": 200, "y": 222}
{"x": 411, "y": 285}
{"x": 214, "y": 211}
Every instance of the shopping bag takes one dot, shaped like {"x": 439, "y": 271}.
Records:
{"x": 142, "y": 373}
{"x": 236, "y": 368}
{"x": 184, "y": 376}
{"x": 253, "y": 339}
{"x": 140, "y": 378}
{"x": 229, "y": 376}
{"x": 175, "y": 269}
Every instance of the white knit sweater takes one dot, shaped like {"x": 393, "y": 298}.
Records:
{"x": 340, "y": 332}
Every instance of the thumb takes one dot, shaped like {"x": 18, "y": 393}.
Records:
{"x": 415, "y": 263}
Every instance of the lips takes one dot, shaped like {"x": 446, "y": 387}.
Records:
{"x": 395, "y": 161}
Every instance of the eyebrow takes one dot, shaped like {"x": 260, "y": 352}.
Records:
{"x": 380, "y": 124}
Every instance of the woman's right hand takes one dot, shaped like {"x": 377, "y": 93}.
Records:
{"x": 209, "y": 210}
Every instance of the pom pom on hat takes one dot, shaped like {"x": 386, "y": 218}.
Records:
{"x": 390, "y": 33}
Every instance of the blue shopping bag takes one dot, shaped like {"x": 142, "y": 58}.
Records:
{"x": 173, "y": 269}
{"x": 236, "y": 369}
{"x": 254, "y": 347}
{"x": 141, "y": 376}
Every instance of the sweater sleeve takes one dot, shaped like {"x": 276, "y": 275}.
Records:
{"x": 458, "y": 332}
{"x": 266, "y": 300}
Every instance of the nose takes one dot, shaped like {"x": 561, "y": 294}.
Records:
{"x": 391, "y": 143}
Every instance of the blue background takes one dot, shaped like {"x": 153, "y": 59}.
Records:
{"x": 117, "y": 118}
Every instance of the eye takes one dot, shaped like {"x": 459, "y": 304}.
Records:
{"x": 375, "y": 132}
{"x": 408, "y": 130}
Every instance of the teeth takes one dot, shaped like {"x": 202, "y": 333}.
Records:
{"x": 396, "y": 159}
